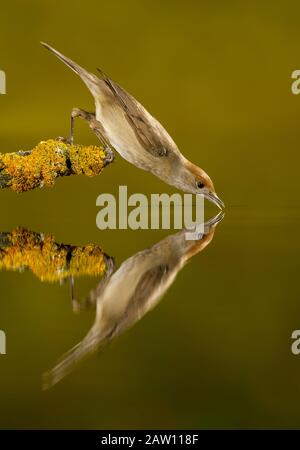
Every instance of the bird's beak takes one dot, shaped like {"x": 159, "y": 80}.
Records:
{"x": 212, "y": 197}
{"x": 214, "y": 221}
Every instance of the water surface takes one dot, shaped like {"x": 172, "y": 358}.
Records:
{"x": 215, "y": 351}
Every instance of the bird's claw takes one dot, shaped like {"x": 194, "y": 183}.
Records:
{"x": 64, "y": 140}
{"x": 109, "y": 156}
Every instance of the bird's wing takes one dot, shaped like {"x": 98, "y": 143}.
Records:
{"x": 149, "y": 131}
{"x": 150, "y": 287}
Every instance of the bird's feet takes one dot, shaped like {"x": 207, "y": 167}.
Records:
{"x": 109, "y": 156}
{"x": 64, "y": 140}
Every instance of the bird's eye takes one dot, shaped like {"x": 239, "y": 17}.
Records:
{"x": 200, "y": 184}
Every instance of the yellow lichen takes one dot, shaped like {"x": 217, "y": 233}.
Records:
{"x": 86, "y": 160}
{"x": 48, "y": 160}
{"x": 48, "y": 260}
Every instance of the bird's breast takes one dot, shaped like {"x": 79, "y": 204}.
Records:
{"x": 122, "y": 136}
{"x": 120, "y": 133}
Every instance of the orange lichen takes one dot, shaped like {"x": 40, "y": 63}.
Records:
{"x": 50, "y": 159}
{"x": 48, "y": 260}
{"x": 86, "y": 160}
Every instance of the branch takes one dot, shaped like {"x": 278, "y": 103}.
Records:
{"x": 26, "y": 170}
{"x": 50, "y": 261}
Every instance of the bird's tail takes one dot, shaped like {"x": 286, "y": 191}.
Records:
{"x": 93, "y": 342}
{"x": 88, "y": 78}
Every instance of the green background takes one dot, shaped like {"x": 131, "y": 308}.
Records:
{"x": 216, "y": 350}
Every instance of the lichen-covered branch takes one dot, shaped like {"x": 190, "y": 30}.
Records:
{"x": 26, "y": 170}
{"x": 50, "y": 261}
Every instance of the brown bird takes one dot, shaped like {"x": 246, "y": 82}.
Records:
{"x": 124, "y": 297}
{"x": 121, "y": 122}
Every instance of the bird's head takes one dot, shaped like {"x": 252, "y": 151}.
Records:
{"x": 196, "y": 181}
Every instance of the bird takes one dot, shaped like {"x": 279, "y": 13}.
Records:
{"x": 122, "y": 123}
{"x": 126, "y": 295}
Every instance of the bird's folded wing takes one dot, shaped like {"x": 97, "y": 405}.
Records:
{"x": 148, "y": 288}
{"x": 149, "y": 132}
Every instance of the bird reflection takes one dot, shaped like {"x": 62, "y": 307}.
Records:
{"x": 125, "y": 296}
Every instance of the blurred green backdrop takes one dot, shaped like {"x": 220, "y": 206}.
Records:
{"x": 216, "y": 351}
